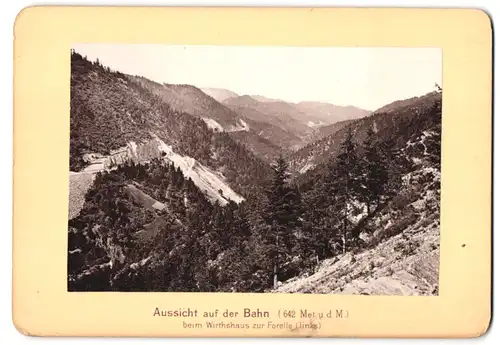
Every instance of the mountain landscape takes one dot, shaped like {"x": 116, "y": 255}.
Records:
{"x": 179, "y": 188}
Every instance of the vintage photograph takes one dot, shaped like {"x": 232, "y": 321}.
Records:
{"x": 254, "y": 169}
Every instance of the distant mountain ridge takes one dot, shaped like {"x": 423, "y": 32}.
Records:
{"x": 217, "y": 116}
{"x": 298, "y": 119}
{"x": 219, "y": 94}
{"x": 285, "y": 125}
{"x": 265, "y": 99}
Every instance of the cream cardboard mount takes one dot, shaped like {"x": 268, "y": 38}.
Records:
{"x": 159, "y": 207}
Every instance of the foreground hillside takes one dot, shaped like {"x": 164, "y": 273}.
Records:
{"x": 400, "y": 251}
{"x": 136, "y": 218}
{"x": 406, "y": 264}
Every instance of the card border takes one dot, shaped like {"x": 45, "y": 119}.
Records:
{"x": 43, "y": 37}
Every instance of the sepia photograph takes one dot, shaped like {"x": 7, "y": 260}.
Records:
{"x": 257, "y": 169}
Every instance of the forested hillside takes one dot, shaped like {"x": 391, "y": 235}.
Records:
{"x": 110, "y": 109}
{"x": 146, "y": 228}
{"x": 323, "y": 114}
{"x": 325, "y": 131}
{"x": 394, "y": 128}
{"x": 191, "y": 100}
{"x": 218, "y": 117}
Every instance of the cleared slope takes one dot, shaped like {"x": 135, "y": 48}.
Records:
{"x": 79, "y": 184}
{"x": 211, "y": 183}
{"x": 208, "y": 181}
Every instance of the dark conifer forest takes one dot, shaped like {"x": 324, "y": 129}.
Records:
{"x": 190, "y": 208}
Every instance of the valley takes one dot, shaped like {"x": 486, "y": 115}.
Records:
{"x": 173, "y": 187}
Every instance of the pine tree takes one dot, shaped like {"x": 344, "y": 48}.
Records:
{"x": 316, "y": 232}
{"x": 282, "y": 219}
{"x": 375, "y": 175}
{"x": 343, "y": 188}
{"x": 398, "y": 164}
{"x": 174, "y": 198}
{"x": 235, "y": 270}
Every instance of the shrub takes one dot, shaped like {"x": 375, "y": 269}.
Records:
{"x": 400, "y": 226}
{"x": 401, "y": 201}
{"x": 390, "y": 271}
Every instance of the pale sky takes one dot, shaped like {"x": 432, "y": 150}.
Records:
{"x": 367, "y": 78}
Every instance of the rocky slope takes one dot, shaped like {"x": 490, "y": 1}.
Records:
{"x": 400, "y": 251}
{"x": 400, "y": 258}
{"x": 406, "y": 264}
{"x": 79, "y": 184}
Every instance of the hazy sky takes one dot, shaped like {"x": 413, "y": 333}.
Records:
{"x": 364, "y": 77}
